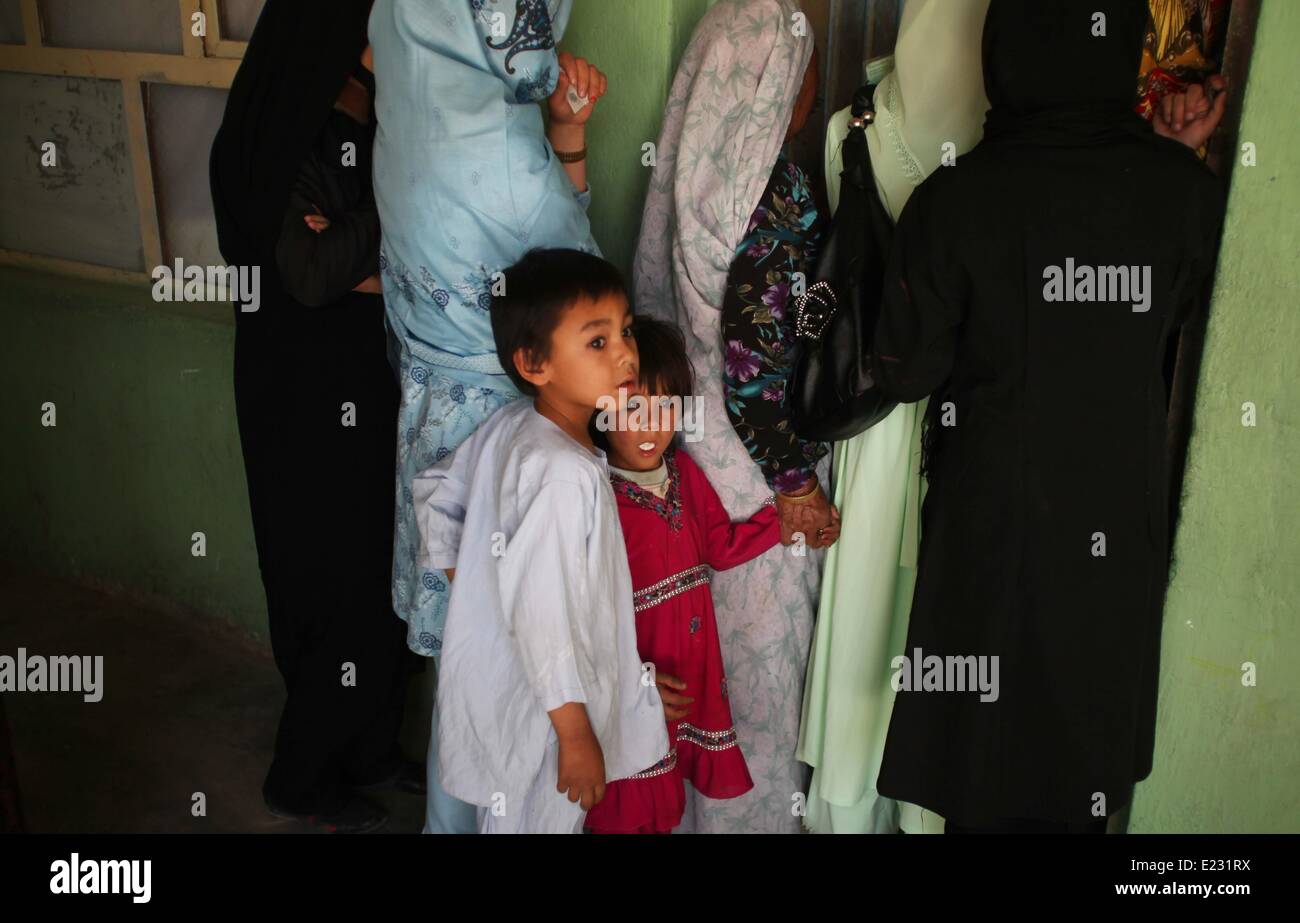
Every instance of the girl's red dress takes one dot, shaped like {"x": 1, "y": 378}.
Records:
{"x": 673, "y": 546}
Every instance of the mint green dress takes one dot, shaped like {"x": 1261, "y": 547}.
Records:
{"x": 929, "y": 109}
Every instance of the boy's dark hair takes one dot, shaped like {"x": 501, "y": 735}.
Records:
{"x": 538, "y": 289}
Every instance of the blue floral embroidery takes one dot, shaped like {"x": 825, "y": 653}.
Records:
{"x": 476, "y": 289}
{"x": 458, "y": 393}
{"x": 429, "y": 642}
{"x": 439, "y": 295}
{"x": 431, "y": 581}
{"x": 532, "y": 88}
{"x": 531, "y": 31}
{"x": 425, "y": 289}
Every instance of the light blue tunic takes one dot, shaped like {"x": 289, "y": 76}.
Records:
{"x": 466, "y": 183}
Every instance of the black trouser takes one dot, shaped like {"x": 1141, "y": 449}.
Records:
{"x": 321, "y": 495}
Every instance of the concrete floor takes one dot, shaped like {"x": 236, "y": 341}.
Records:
{"x": 188, "y": 706}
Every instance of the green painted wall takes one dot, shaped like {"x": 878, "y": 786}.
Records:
{"x": 637, "y": 44}
{"x": 146, "y": 451}
{"x": 1228, "y": 755}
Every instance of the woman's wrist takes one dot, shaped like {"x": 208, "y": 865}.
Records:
{"x": 568, "y": 139}
{"x": 804, "y": 491}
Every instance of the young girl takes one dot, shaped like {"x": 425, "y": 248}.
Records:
{"x": 677, "y": 532}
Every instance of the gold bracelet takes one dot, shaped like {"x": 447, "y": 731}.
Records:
{"x": 802, "y": 498}
{"x": 571, "y": 156}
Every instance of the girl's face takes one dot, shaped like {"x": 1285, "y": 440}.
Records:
{"x": 651, "y": 423}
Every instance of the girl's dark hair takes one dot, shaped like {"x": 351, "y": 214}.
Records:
{"x": 664, "y": 367}
{"x": 538, "y": 289}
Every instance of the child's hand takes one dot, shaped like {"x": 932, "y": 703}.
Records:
{"x": 586, "y": 80}
{"x": 674, "y": 702}
{"x": 582, "y": 770}
{"x": 581, "y": 773}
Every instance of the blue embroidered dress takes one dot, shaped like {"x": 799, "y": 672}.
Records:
{"x": 466, "y": 183}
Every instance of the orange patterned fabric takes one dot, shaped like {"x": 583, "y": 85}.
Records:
{"x": 1179, "y": 48}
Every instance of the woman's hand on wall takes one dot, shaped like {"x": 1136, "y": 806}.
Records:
{"x": 1192, "y": 116}
{"x": 587, "y": 81}
{"x": 567, "y": 129}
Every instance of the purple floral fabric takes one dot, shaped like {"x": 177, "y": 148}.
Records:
{"x": 758, "y": 326}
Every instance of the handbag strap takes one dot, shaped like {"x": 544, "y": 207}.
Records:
{"x": 855, "y": 153}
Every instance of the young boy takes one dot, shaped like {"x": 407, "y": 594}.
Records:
{"x": 541, "y": 695}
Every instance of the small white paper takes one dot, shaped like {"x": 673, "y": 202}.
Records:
{"x": 576, "y": 103}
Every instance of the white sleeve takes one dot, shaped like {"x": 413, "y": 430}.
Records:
{"x": 440, "y": 496}
{"x": 544, "y": 592}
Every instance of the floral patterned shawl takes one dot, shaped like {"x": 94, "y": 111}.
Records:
{"x": 724, "y": 125}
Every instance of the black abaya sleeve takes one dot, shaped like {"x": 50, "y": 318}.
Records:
{"x": 317, "y": 269}
{"x": 922, "y": 309}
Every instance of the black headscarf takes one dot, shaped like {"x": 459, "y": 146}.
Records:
{"x": 297, "y": 61}
{"x": 1044, "y": 65}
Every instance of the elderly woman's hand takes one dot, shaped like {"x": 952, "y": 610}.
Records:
{"x": 586, "y": 81}
{"x": 808, "y": 513}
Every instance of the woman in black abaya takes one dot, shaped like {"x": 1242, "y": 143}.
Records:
{"x": 1044, "y": 529}
{"x": 317, "y": 404}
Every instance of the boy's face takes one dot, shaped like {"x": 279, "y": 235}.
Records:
{"x": 592, "y": 356}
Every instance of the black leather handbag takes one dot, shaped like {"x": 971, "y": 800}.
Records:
{"x": 833, "y": 395}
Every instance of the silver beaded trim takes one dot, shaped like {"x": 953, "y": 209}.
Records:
{"x": 667, "y": 764}
{"x": 672, "y": 586}
{"x": 709, "y": 740}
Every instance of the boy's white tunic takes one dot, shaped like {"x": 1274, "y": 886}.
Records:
{"x": 540, "y": 615}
